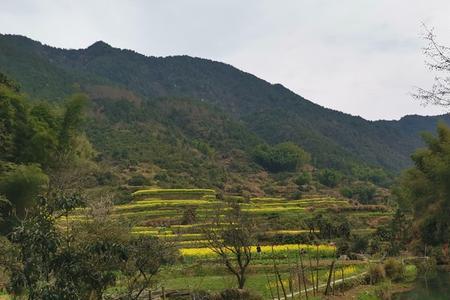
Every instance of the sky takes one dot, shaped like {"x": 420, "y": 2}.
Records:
{"x": 362, "y": 57}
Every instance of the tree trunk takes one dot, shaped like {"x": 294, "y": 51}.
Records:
{"x": 241, "y": 281}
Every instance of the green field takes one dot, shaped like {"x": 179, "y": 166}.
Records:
{"x": 160, "y": 213}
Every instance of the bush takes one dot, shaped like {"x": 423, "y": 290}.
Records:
{"x": 105, "y": 178}
{"x": 424, "y": 266}
{"x": 346, "y": 192}
{"x": 394, "y": 269}
{"x": 138, "y": 180}
{"x": 377, "y": 273}
{"x": 236, "y": 294}
{"x": 303, "y": 179}
{"x": 383, "y": 291}
{"x": 297, "y": 195}
{"x": 342, "y": 247}
{"x": 360, "y": 244}
{"x": 363, "y": 192}
{"x": 410, "y": 273}
{"x": 328, "y": 177}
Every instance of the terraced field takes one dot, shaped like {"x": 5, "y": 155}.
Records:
{"x": 162, "y": 213}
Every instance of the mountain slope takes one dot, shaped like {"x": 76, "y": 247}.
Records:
{"x": 267, "y": 112}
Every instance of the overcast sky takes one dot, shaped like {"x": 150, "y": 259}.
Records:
{"x": 362, "y": 57}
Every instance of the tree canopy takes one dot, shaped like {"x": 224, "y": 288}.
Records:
{"x": 425, "y": 188}
{"x": 282, "y": 157}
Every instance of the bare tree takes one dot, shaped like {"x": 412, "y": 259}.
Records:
{"x": 438, "y": 59}
{"x": 145, "y": 258}
{"x": 231, "y": 236}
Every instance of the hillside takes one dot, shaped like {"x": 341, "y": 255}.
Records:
{"x": 191, "y": 118}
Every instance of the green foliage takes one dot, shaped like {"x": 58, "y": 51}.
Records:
{"x": 138, "y": 180}
{"x": 36, "y": 140}
{"x": 394, "y": 268}
{"x": 328, "y": 177}
{"x": 359, "y": 244}
{"x": 330, "y": 227}
{"x": 425, "y": 188}
{"x": 145, "y": 257}
{"x": 71, "y": 122}
{"x": 20, "y": 185}
{"x": 81, "y": 261}
{"x": 38, "y": 241}
{"x": 282, "y": 157}
{"x": 376, "y": 176}
{"x": 36, "y": 132}
{"x": 363, "y": 192}
{"x": 303, "y": 178}
{"x": 160, "y": 192}
{"x": 231, "y": 107}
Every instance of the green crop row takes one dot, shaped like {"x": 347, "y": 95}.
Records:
{"x": 174, "y": 191}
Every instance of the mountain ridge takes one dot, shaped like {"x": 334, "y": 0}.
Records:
{"x": 100, "y": 44}
{"x": 271, "y": 112}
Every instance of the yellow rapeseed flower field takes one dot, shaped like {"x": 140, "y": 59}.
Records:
{"x": 206, "y": 252}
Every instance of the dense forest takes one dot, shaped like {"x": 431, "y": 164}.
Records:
{"x": 183, "y": 121}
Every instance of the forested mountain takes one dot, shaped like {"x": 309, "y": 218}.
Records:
{"x": 195, "y": 121}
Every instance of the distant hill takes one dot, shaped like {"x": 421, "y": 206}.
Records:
{"x": 193, "y": 119}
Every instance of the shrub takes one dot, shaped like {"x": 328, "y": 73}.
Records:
{"x": 297, "y": 195}
{"x": 383, "y": 291}
{"x": 346, "y": 192}
{"x": 138, "y": 180}
{"x": 189, "y": 215}
{"x": 342, "y": 247}
{"x": 236, "y": 294}
{"x": 105, "y": 178}
{"x": 377, "y": 273}
{"x": 360, "y": 244}
{"x": 303, "y": 179}
{"x": 428, "y": 265}
{"x": 410, "y": 273}
{"x": 328, "y": 177}
{"x": 394, "y": 269}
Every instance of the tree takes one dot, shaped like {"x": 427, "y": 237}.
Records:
{"x": 38, "y": 241}
{"x": 282, "y": 157}
{"x": 364, "y": 192}
{"x": 303, "y": 178}
{"x": 37, "y": 139}
{"x": 438, "y": 59}
{"x": 20, "y": 185}
{"x": 46, "y": 262}
{"x": 425, "y": 189}
{"x": 328, "y": 177}
{"x": 146, "y": 255}
{"x": 231, "y": 237}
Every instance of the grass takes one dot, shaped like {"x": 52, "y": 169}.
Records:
{"x": 259, "y": 280}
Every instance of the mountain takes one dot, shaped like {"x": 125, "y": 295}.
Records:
{"x": 193, "y": 115}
